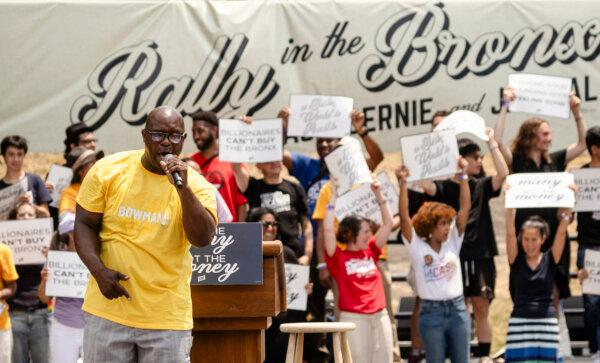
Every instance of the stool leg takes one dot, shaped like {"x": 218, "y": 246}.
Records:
{"x": 289, "y": 357}
{"x": 346, "y": 354}
{"x": 337, "y": 348}
{"x": 299, "y": 348}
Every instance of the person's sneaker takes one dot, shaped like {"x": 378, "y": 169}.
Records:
{"x": 596, "y": 357}
{"x": 486, "y": 360}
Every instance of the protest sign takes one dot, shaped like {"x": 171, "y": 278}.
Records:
{"x": 588, "y": 189}
{"x": 26, "y": 238}
{"x": 320, "y": 116}
{"x": 347, "y": 163}
{"x": 464, "y": 122}
{"x": 9, "y": 197}
{"x": 61, "y": 177}
{"x": 234, "y": 257}
{"x": 68, "y": 276}
{"x": 260, "y": 141}
{"x": 362, "y": 202}
{"x": 539, "y": 190}
{"x": 430, "y": 155}
{"x": 541, "y": 95}
{"x": 296, "y": 279}
{"x": 591, "y": 263}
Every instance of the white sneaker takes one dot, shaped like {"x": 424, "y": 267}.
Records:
{"x": 596, "y": 357}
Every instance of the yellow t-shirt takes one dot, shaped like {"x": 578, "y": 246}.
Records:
{"x": 67, "y": 199}
{"x": 8, "y": 273}
{"x": 321, "y": 209}
{"x": 142, "y": 236}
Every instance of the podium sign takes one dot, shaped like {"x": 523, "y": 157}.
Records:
{"x": 234, "y": 257}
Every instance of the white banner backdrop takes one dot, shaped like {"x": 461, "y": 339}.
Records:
{"x": 111, "y": 62}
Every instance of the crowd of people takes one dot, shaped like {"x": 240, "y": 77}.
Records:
{"x": 446, "y": 226}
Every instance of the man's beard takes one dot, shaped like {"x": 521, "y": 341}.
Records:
{"x": 204, "y": 145}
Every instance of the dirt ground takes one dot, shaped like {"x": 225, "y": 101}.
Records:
{"x": 398, "y": 257}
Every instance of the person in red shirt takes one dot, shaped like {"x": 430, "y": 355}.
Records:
{"x": 360, "y": 285}
{"x": 205, "y": 130}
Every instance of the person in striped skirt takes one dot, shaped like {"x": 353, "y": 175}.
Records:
{"x": 533, "y": 325}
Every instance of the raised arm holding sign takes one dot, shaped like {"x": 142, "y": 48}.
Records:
{"x": 347, "y": 163}
{"x": 430, "y": 155}
{"x": 541, "y": 95}
{"x": 540, "y": 190}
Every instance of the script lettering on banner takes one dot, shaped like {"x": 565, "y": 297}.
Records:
{"x": 61, "y": 177}
{"x": 347, "y": 163}
{"x": 234, "y": 256}
{"x": 539, "y": 190}
{"x": 68, "y": 276}
{"x": 258, "y": 142}
{"x": 430, "y": 155}
{"x": 9, "y": 197}
{"x": 591, "y": 263}
{"x": 464, "y": 122}
{"x": 26, "y": 238}
{"x": 541, "y": 95}
{"x": 320, "y": 116}
{"x": 588, "y": 189}
{"x": 296, "y": 279}
{"x": 362, "y": 202}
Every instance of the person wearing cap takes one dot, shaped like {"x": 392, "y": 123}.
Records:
{"x": 67, "y": 322}
{"x": 80, "y": 160}
{"x": 79, "y": 134}
{"x": 205, "y": 131}
{"x": 134, "y": 227}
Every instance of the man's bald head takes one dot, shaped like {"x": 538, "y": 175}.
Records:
{"x": 162, "y": 114}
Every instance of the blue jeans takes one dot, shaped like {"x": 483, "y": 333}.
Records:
{"x": 591, "y": 305}
{"x": 30, "y": 335}
{"x": 445, "y": 325}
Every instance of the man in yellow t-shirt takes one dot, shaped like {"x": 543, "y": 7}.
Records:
{"x": 8, "y": 286}
{"x": 133, "y": 231}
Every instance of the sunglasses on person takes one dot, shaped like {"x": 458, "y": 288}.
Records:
{"x": 268, "y": 224}
{"x": 158, "y": 136}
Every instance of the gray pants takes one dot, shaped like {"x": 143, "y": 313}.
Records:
{"x": 106, "y": 341}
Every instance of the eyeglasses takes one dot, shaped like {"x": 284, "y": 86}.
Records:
{"x": 89, "y": 141}
{"x": 268, "y": 224}
{"x": 158, "y": 136}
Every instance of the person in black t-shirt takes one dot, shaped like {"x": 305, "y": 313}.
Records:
{"x": 533, "y": 326}
{"x": 588, "y": 238}
{"x": 285, "y": 198}
{"x": 530, "y": 153}
{"x": 479, "y": 245}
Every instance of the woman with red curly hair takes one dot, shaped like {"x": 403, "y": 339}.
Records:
{"x": 435, "y": 236}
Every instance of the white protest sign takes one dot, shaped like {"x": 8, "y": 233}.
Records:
{"x": 541, "y": 95}
{"x": 67, "y": 276}
{"x": 26, "y": 239}
{"x": 321, "y": 116}
{"x": 539, "y": 190}
{"x": 347, "y": 163}
{"x": 260, "y": 141}
{"x": 464, "y": 122}
{"x": 61, "y": 177}
{"x": 9, "y": 196}
{"x": 430, "y": 155}
{"x": 361, "y": 201}
{"x": 296, "y": 278}
{"x": 591, "y": 263}
{"x": 588, "y": 189}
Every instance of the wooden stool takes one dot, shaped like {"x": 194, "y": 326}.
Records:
{"x": 341, "y": 350}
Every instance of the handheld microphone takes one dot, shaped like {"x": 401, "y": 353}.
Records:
{"x": 175, "y": 175}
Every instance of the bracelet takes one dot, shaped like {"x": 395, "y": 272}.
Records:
{"x": 364, "y": 133}
{"x": 330, "y": 207}
{"x": 322, "y": 266}
{"x": 565, "y": 216}
{"x": 463, "y": 176}
{"x": 504, "y": 103}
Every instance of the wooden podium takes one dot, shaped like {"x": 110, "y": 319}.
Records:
{"x": 230, "y": 320}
